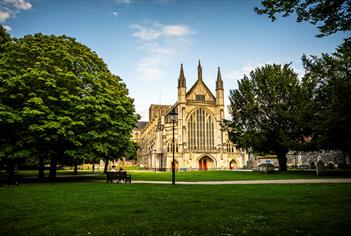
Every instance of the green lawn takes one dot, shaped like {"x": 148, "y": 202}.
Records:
{"x": 136, "y": 209}
{"x": 207, "y": 175}
{"x": 232, "y": 175}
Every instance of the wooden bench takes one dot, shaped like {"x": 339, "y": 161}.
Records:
{"x": 119, "y": 176}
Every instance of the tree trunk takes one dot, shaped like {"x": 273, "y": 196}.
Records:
{"x": 282, "y": 161}
{"x": 11, "y": 173}
{"x": 53, "y": 168}
{"x": 347, "y": 156}
{"x": 106, "y": 165}
{"x": 93, "y": 167}
{"x": 41, "y": 174}
{"x": 75, "y": 172}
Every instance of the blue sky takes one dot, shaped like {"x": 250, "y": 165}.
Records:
{"x": 144, "y": 42}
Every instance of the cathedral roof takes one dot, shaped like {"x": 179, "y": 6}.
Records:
{"x": 200, "y": 83}
{"x": 141, "y": 124}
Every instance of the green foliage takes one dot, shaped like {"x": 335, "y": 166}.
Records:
{"x": 331, "y": 16}
{"x": 264, "y": 111}
{"x": 328, "y": 80}
{"x": 136, "y": 209}
{"x": 58, "y": 99}
{"x": 4, "y": 38}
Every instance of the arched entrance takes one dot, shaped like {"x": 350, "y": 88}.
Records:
{"x": 205, "y": 163}
{"x": 233, "y": 165}
{"x": 176, "y": 165}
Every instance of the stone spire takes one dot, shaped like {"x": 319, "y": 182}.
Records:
{"x": 181, "y": 80}
{"x": 199, "y": 71}
{"x": 181, "y": 86}
{"x": 219, "y": 81}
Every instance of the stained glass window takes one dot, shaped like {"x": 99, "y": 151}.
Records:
{"x": 201, "y": 130}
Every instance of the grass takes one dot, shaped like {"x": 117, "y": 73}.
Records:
{"x": 203, "y": 175}
{"x": 231, "y": 175}
{"x": 136, "y": 209}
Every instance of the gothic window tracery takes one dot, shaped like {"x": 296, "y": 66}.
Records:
{"x": 201, "y": 130}
{"x": 170, "y": 146}
{"x": 230, "y": 147}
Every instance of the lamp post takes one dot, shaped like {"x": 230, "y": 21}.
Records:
{"x": 173, "y": 114}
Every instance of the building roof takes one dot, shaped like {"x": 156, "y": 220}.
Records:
{"x": 201, "y": 83}
{"x": 141, "y": 124}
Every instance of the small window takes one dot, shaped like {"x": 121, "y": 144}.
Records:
{"x": 200, "y": 97}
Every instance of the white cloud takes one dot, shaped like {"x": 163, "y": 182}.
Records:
{"x": 176, "y": 30}
{"x": 124, "y": 2}
{"x": 250, "y": 66}
{"x": 245, "y": 70}
{"x": 149, "y": 68}
{"x": 4, "y": 15}
{"x": 19, "y": 4}
{"x": 160, "y": 43}
{"x": 145, "y": 33}
{"x": 157, "y": 30}
{"x": 11, "y": 7}
{"x": 7, "y": 28}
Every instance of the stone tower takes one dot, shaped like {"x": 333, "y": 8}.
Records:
{"x": 181, "y": 106}
{"x": 181, "y": 86}
{"x": 219, "y": 95}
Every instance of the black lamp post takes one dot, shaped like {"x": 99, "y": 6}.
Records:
{"x": 173, "y": 114}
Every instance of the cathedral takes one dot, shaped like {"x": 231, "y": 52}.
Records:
{"x": 200, "y": 141}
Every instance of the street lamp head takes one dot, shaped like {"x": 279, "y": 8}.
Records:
{"x": 173, "y": 114}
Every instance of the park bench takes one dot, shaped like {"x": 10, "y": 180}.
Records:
{"x": 119, "y": 176}
{"x": 303, "y": 167}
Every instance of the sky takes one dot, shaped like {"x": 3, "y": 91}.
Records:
{"x": 145, "y": 41}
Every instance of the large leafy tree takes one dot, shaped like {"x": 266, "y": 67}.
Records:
{"x": 264, "y": 111}
{"x": 4, "y": 37}
{"x": 328, "y": 78}
{"x": 60, "y": 102}
{"x": 331, "y": 16}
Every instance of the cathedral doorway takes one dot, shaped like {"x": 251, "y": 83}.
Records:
{"x": 205, "y": 163}
{"x": 176, "y": 165}
{"x": 232, "y": 165}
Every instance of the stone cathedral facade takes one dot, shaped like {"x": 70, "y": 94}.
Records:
{"x": 200, "y": 142}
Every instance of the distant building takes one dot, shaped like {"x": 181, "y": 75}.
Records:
{"x": 309, "y": 160}
{"x": 200, "y": 141}
{"x": 136, "y": 132}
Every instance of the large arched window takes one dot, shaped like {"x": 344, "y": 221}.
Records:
{"x": 230, "y": 147}
{"x": 170, "y": 146}
{"x": 201, "y": 130}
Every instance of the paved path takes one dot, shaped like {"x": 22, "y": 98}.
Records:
{"x": 279, "y": 181}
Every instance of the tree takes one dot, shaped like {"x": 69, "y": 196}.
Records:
{"x": 329, "y": 79}
{"x": 264, "y": 111}
{"x": 331, "y": 16}
{"x": 60, "y": 102}
{"x": 4, "y": 37}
